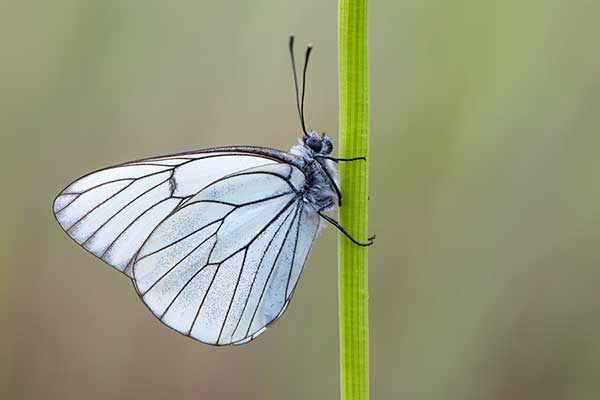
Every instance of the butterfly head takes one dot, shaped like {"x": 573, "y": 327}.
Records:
{"x": 318, "y": 144}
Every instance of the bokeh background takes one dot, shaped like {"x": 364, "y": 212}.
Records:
{"x": 485, "y": 193}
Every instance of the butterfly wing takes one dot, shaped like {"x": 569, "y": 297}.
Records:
{"x": 225, "y": 264}
{"x": 112, "y": 211}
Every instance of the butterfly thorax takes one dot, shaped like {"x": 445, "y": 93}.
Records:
{"x": 320, "y": 173}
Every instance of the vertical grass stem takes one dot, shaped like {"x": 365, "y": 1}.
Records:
{"x": 353, "y": 142}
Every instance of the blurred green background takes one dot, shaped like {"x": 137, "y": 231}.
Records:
{"x": 485, "y": 195}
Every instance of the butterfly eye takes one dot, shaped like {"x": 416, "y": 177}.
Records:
{"x": 314, "y": 143}
{"x": 327, "y": 146}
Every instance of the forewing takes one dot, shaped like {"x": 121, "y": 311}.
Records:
{"x": 111, "y": 212}
{"x": 225, "y": 264}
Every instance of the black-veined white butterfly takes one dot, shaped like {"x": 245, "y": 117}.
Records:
{"x": 214, "y": 240}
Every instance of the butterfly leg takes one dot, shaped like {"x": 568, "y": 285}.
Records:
{"x": 338, "y": 192}
{"x": 335, "y": 159}
{"x": 341, "y": 229}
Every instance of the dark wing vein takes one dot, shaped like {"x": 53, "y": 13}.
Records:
{"x": 207, "y": 264}
{"x": 181, "y": 238}
{"x": 172, "y": 167}
{"x": 271, "y": 271}
{"x": 69, "y": 203}
{"x": 235, "y": 207}
{"x": 98, "y": 205}
{"x": 98, "y": 185}
{"x": 182, "y": 259}
{"x": 243, "y": 248}
{"x": 186, "y": 285}
{"x": 233, "y": 295}
{"x": 267, "y": 248}
{"x": 112, "y": 243}
{"x": 294, "y": 253}
{"x": 111, "y": 196}
{"x": 207, "y": 289}
{"x": 302, "y": 266}
{"x": 284, "y": 178}
{"x": 122, "y": 208}
{"x": 264, "y": 199}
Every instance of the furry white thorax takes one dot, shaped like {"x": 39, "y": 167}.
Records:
{"x": 319, "y": 192}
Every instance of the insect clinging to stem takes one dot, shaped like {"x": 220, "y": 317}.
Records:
{"x": 214, "y": 240}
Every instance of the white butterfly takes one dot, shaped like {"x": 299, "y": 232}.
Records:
{"x": 214, "y": 240}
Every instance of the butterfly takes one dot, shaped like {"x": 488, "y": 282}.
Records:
{"x": 214, "y": 240}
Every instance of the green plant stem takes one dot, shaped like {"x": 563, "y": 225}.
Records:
{"x": 353, "y": 142}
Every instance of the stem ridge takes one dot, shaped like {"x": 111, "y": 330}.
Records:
{"x": 353, "y": 140}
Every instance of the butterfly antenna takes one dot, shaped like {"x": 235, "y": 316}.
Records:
{"x": 295, "y": 75}
{"x": 306, "y": 58}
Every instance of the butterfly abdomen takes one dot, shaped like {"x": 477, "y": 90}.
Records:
{"x": 318, "y": 190}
